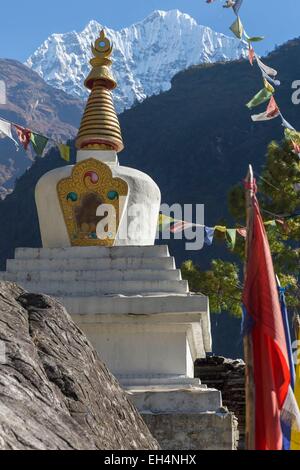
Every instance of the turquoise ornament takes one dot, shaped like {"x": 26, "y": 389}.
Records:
{"x": 113, "y": 195}
{"x": 73, "y": 197}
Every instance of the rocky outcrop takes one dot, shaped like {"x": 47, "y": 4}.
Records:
{"x": 228, "y": 376}
{"x": 55, "y": 393}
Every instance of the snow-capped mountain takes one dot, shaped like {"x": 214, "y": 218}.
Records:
{"x": 146, "y": 56}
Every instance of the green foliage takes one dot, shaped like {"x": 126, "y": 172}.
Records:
{"x": 221, "y": 284}
{"x": 279, "y": 199}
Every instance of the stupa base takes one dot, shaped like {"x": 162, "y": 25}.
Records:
{"x": 147, "y": 327}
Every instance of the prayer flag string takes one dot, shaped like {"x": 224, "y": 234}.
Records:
{"x": 26, "y": 136}
{"x": 269, "y": 75}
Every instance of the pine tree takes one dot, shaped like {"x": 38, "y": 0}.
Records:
{"x": 279, "y": 197}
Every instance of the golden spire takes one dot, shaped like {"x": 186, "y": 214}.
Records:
{"x": 100, "y": 128}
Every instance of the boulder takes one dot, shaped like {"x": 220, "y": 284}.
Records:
{"x": 55, "y": 393}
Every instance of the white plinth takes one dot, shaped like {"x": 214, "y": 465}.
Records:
{"x": 131, "y": 302}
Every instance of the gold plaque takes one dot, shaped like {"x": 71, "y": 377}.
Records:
{"x": 90, "y": 186}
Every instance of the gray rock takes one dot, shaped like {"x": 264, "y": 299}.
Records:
{"x": 55, "y": 393}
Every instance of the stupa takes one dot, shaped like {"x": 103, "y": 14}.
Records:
{"x": 98, "y": 223}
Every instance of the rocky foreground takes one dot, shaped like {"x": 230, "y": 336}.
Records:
{"x": 55, "y": 393}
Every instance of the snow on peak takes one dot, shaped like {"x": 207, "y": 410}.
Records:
{"x": 146, "y": 56}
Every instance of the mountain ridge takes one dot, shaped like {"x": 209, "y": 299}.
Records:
{"x": 147, "y": 55}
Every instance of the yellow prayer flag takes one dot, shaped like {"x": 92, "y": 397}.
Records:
{"x": 221, "y": 229}
{"x": 64, "y": 152}
{"x": 237, "y": 28}
{"x": 268, "y": 86}
{"x": 271, "y": 222}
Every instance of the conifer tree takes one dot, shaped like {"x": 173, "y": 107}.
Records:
{"x": 279, "y": 197}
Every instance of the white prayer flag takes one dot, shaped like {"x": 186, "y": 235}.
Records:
{"x": 271, "y": 112}
{"x": 272, "y": 80}
{"x": 263, "y": 117}
{"x": 265, "y": 68}
{"x": 5, "y": 131}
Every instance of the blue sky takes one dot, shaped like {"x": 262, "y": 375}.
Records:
{"x": 24, "y": 25}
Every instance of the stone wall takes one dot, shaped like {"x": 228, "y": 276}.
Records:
{"x": 228, "y": 376}
{"x": 203, "y": 431}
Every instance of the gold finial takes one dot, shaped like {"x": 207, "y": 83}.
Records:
{"x": 102, "y": 50}
{"x": 100, "y": 128}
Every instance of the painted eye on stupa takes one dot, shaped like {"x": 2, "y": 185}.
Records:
{"x": 91, "y": 177}
{"x": 113, "y": 195}
{"x": 72, "y": 197}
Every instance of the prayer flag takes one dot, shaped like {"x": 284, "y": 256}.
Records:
{"x": 270, "y": 79}
{"x": 272, "y": 112}
{"x": 242, "y": 232}
{"x": 295, "y": 436}
{"x": 209, "y": 235}
{"x": 229, "y": 4}
{"x": 265, "y": 68}
{"x": 164, "y": 222}
{"x": 251, "y": 54}
{"x": 268, "y": 86}
{"x": 220, "y": 228}
{"x": 24, "y": 136}
{"x": 237, "y": 5}
{"x": 274, "y": 398}
{"x": 64, "y": 151}
{"x": 286, "y": 427}
{"x": 179, "y": 226}
{"x": 39, "y": 143}
{"x": 255, "y": 39}
{"x": 5, "y": 131}
{"x": 261, "y": 97}
{"x": 270, "y": 223}
{"x": 231, "y": 237}
{"x": 237, "y": 28}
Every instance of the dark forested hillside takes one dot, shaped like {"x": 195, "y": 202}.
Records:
{"x": 196, "y": 141}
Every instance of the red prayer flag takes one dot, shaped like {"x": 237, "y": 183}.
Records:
{"x": 180, "y": 226}
{"x": 272, "y": 109}
{"x": 270, "y": 355}
{"x": 242, "y": 232}
{"x": 24, "y": 136}
{"x": 251, "y": 54}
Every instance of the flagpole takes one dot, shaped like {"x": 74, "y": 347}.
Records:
{"x": 248, "y": 346}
